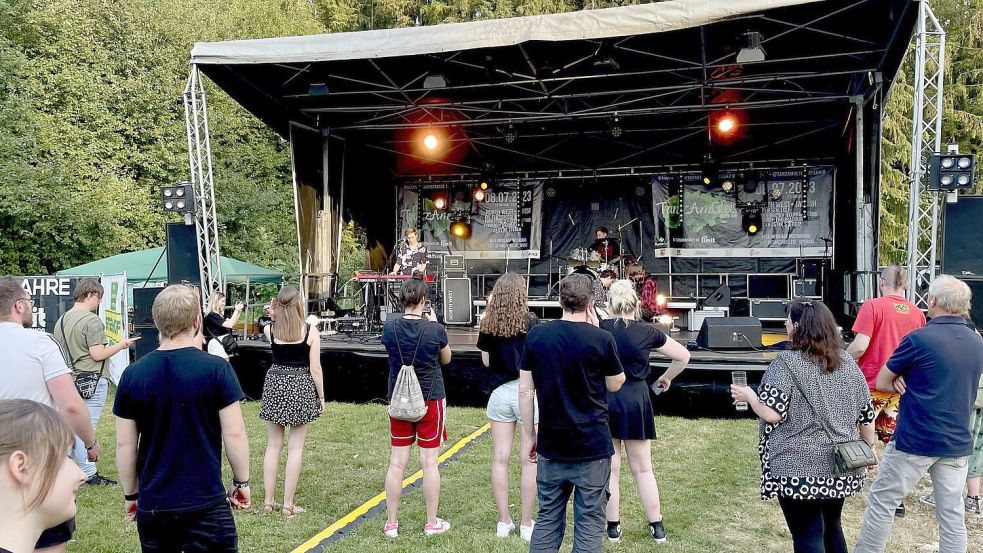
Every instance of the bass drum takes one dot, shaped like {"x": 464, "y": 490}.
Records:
{"x": 582, "y": 270}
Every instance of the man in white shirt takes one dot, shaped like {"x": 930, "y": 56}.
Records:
{"x": 32, "y": 367}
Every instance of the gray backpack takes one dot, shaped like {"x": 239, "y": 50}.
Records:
{"x": 407, "y": 403}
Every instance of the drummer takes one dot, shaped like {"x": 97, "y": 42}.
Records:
{"x": 606, "y": 247}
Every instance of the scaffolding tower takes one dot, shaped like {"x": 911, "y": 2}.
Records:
{"x": 200, "y": 161}
{"x": 924, "y": 206}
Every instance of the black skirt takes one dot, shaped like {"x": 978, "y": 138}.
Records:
{"x": 289, "y": 397}
{"x": 630, "y": 414}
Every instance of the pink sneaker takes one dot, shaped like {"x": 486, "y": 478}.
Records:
{"x": 392, "y": 530}
{"x": 439, "y": 528}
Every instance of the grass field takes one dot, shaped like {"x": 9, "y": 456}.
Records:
{"x": 707, "y": 471}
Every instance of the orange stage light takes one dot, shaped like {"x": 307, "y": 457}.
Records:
{"x": 430, "y": 141}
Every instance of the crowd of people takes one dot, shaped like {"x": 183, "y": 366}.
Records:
{"x": 578, "y": 390}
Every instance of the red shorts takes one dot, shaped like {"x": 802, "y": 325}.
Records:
{"x": 430, "y": 430}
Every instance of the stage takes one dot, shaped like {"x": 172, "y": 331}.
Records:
{"x": 356, "y": 370}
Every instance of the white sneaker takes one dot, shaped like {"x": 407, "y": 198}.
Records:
{"x": 504, "y": 529}
{"x": 440, "y": 527}
{"x": 391, "y": 530}
{"x": 525, "y": 532}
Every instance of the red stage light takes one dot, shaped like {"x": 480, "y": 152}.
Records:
{"x": 727, "y": 124}
{"x": 430, "y": 141}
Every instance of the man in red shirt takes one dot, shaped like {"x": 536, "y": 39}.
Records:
{"x": 880, "y": 326}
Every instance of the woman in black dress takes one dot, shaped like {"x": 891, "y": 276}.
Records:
{"x": 293, "y": 396}
{"x": 501, "y": 339}
{"x": 630, "y": 409}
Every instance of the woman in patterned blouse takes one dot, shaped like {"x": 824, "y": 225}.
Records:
{"x": 797, "y": 463}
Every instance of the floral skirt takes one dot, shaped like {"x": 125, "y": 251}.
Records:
{"x": 289, "y": 397}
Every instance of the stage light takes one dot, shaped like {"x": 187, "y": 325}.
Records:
{"x": 776, "y": 194}
{"x": 430, "y": 141}
{"x": 510, "y": 134}
{"x": 726, "y": 124}
{"x": 751, "y": 220}
{"x": 708, "y": 171}
{"x": 484, "y": 185}
{"x": 616, "y": 130}
{"x": 660, "y": 300}
{"x": 440, "y": 203}
{"x": 460, "y": 228}
{"x": 951, "y": 171}
{"x": 318, "y": 89}
{"x": 727, "y": 185}
{"x": 752, "y": 50}
{"x": 434, "y": 81}
{"x": 666, "y": 320}
{"x": 479, "y": 195}
{"x": 179, "y": 198}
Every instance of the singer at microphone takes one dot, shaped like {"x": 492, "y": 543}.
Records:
{"x": 412, "y": 256}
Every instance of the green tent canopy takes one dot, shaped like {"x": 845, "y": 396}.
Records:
{"x": 137, "y": 266}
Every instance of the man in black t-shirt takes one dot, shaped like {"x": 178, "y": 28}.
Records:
{"x": 174, "y": 409}
{"x": 571, "y": 364}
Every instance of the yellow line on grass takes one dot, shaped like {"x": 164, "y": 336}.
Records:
{"x": 379, "y": 498}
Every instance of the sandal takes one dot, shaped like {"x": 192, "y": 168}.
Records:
{"x": 270, "y": 507}
{"x": 291, "y": 512}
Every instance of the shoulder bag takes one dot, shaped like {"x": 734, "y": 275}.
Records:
{"x": 85, "y": 381}
{"x": 407, "y": 403}
{"x": 848, "y": 456}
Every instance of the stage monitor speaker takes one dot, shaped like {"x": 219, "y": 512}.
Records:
{"x": 962, "y": 249}
{"x": 718, "y": 297}
{"x": 148, "y": 342}
{"x": 182, "y": 254}
{"x": 457, "y": 301}
{"x": 143, "y": 303}
{"x": 730, "y": 333}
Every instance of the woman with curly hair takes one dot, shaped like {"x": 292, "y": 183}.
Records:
{"x": 501, "y": 339}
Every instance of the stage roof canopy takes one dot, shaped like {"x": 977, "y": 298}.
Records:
{"x": 588, "y": 90}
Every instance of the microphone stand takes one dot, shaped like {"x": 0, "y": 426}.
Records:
{"x": 621, "y": 248}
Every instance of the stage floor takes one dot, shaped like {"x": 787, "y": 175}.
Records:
{"x": 356, "y": 369}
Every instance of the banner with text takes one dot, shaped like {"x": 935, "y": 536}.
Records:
{"x": 792, "y": 208}
{"x": 507, "y": 220}
{"x": 113, "y": 313}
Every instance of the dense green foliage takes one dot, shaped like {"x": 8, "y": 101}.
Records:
{"x": 92, "y": 122}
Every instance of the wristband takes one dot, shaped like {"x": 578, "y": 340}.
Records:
{"x": 94, "y": 444}
{"x": 240, "y": 484}
{"x": 131, "y": 496}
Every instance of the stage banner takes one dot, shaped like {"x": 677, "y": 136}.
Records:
{"x": 53, "y": 297}
{"x": 795, "y": 207}
{"x": 509, "y": 220}
{"x": 113, "y": 311}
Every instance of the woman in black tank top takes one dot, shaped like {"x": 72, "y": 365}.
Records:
{"x": 293, "y": 395}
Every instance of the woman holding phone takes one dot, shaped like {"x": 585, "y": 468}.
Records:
{"x": 630, "y": 413}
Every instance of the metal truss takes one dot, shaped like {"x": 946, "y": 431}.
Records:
{"x": 923, "y": 205}
{"x": 200, "y": 162}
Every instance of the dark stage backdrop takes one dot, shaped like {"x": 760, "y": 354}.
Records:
{"x": 707, "y": 222}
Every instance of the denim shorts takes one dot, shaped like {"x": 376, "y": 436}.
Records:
{"x": 503, "y": 405}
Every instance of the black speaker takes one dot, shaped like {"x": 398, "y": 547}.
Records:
{"x": 962, "y": 249}
{"x": 718, "y": 297}
{"x": 143, "y": 303}
{"x": 148, "y": 342}
{"x": 457, "y": 301}
{"x": 976, "y": 304}
{"x": 730, "y": 333}
{"x": 182, "y": 254}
